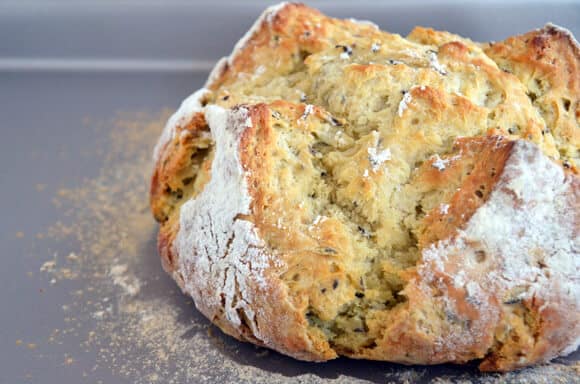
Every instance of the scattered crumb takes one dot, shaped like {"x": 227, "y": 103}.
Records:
{"x": 129, "y": 283}
{"x": 48, "y": 266}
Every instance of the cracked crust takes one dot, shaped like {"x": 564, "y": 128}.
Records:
{"x": 547, "y": 62}
{"x": 408, "y": 222}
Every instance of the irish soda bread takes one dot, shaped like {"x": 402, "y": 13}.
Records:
{"x": 339, "y": 190}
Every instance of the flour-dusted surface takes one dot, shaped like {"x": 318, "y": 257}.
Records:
{"x": 533, "y": 212}
{"x": 377, "y": 155}
{"x": 221, "y": 257}
{"x": 187, "y": 109}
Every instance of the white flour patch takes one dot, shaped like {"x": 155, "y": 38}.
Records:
{"x": 524, "y": 235}
{"x": 307, "y": 111}
{"x": 364, "y": 22}
{"x": 439, "y": 163}
{"x": 218, "y": 252}
{"x": 189, "y": 107}
{"x": 435, "y": 64}
{"x": 378, "y": 157}
{"x": 404, "y": 104}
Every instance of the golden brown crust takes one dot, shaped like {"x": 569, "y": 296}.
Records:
{"x": 504, "y": 328}
{"x": 470, "y": 175}
{"x": 166, "y": 181}
{"x": 547, "y": 62}
{"x": 288, "y": 34}
{"x": 173, "y": 180}
{"x": 344, "y": 226}
{"x": 284, "y": 322}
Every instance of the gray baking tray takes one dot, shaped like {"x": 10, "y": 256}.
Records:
{"x": 80, "y": 80}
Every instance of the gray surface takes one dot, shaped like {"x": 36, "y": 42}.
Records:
{"x": 206, "y": 30}
{"x": 41, "y": 119}
{"x": 43, "y": 142}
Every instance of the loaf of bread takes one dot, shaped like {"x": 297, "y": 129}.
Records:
{"x": 339, "y": 190}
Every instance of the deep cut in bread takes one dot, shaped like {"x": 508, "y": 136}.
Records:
{"x": 339, "y": 190}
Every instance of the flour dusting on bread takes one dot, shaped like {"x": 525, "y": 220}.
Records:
{"x": 522, "y": 236}
{"x": 188, "y": 108}
{"x": 221, "y": 255}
